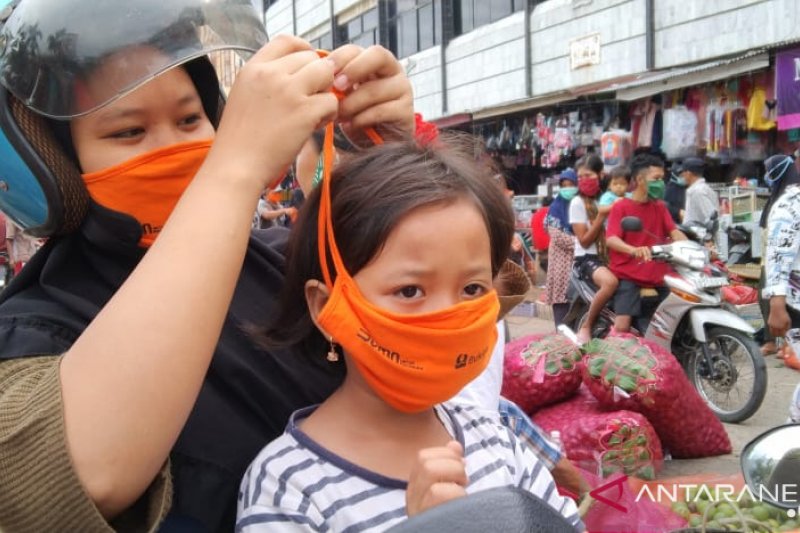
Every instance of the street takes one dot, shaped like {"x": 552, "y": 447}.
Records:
{"x": 773, "y": 412}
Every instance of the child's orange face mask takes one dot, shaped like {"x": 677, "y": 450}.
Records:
{"x": 412, "y": 362}
{"x": 148, "y": 186}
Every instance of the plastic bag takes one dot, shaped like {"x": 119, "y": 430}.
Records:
{"x": 539, "y": 370}
{"x": 606, "y": 442}
{"x": 628, "y": 372}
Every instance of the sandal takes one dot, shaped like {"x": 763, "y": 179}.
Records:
{"x": 769, "y": 349}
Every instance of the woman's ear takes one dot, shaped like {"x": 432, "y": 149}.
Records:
{"x": 316, "y": 297}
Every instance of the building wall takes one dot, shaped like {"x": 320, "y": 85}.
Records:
{"x": 486, "y": 67}
{"x": 279, "y": 18}
{"x": 424, "y": 71}
{"x": 554, "y": 24}
{"x": 688, "y": 32}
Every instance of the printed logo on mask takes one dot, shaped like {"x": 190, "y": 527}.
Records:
{"x": 463, "y": 360}
{"x": 384, "y": 351}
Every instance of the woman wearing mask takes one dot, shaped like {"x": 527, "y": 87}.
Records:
{"x": 125, "y": 377}
{"x": 561, "y": 250}
{"x": 587, "y": 226}
{"x": 782, "y": 262}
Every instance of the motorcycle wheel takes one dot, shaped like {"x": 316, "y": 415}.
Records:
{"x": 739, "y": 390}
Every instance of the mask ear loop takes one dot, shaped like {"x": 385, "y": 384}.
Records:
{"x": 769, "y": 180}
{"x": 324, "y": 221}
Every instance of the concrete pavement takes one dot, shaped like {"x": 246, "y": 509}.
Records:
{"x": 773, "y": 412}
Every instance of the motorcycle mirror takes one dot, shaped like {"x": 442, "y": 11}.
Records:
{"x": 771, "y": 466}
{"x": 498, "y": 509}
{"x": 632, "y": 224}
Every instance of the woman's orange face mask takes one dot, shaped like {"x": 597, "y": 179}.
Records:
{"x": 413, "y": 361}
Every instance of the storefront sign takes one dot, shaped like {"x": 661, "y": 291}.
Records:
{"x": 585, "y": 51}
{"x": 787, "y": 83}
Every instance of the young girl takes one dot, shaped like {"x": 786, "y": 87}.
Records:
{"x": 619, "y": 181}
{"x": 408, "y": 299}
{"x": 587, "y": 225}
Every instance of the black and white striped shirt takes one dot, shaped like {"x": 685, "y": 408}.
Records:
{"x": 297, "y": 485}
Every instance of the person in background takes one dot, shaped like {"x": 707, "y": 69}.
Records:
{"x": 562, "y": 245}
{"x": 539, "y": 235}
{"x": 618, "y": 183}
{"x": 701, "y": 200}
{"x": 782, "y": 262}
{"x": 587, "y": 225}
{"x": 675, "y": 196}
{"x": 629, "y": 252}
{"x": 20, "y": 246}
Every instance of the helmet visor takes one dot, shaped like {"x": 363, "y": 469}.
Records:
{"x": 68, "y": 58}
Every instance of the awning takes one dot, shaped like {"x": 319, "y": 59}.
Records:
{"x": 452, "y": 120}
{"x": 650, "y": 83}
{"x": 550, "y": 99}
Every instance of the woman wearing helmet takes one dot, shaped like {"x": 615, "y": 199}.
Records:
{"x": 782, "y": 261}
{"x": 127, "y": 382}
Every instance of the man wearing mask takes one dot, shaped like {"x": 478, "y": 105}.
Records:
{"x": 628, "y": 251}
{"x": 675, "y": 195}
{"x": 701, "y": 200}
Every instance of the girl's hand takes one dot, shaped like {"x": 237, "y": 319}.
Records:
{"x": 438, "y": 476}
{"x": 279, "y": 98}
{"x": 378, "y": 91}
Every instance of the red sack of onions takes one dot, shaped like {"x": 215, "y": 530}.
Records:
{"x": 628, "y": 372}
{"x": 540, "y": 370}
{"x": 606, "y": 442}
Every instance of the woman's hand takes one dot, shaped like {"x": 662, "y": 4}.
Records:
{"x": 438, "y": 476}
{"x": 378, "y": 91}
{"x": 279, "y": 98}
{"x": 778, "y": 321}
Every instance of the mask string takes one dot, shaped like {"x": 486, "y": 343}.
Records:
{"x": 324, "y": 222}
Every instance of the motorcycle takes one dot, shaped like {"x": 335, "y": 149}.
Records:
{"x": 714, "y": 346}
{"x": 739, "y": 246}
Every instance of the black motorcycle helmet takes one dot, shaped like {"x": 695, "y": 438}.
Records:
{"x": 47, "y": 51}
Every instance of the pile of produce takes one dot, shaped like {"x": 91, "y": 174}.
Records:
{"x": 627, "y": 372}
{"x": 617, "y": 441}
{"x": 541, "y": 370}
{"x": 741, "y": 513}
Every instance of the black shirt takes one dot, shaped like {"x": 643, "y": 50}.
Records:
{"x": 248, "y": 394}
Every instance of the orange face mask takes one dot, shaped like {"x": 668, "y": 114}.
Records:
{"x": 412, "y": 362}
{"x": 148, "y": 186}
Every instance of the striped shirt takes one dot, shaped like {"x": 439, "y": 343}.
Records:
{"x": 297, "y": 485}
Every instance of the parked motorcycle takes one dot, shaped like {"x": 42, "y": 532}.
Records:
{"x": 714, "y": 345}
{"x": 739, "y": 246}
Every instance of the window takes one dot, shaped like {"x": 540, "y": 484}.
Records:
{"x": 475, "y": 13}
{"x": 323, "y": 42}
{"x": 362, "y": 30}
{"x": 415, "y": 25}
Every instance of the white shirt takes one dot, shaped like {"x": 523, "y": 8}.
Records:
{"x": 297, "y": 485}
{"x": 701, "y": 202}
{"x": 782, "y": 264}
{"x": 578, "y": 215}
{"x": 484, "y": 391}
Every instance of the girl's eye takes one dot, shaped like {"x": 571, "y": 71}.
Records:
{"x": 410, "y": 291}
{"x": 474, "y": 289}
{"x": 127, "y": 134}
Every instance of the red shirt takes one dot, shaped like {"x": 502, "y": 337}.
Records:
{"x": 657, "y": 221}
{"x": 541, "y": 239}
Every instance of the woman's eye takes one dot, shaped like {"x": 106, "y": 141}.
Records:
{"x": 410, "y": 291}
{"x": 474, "y": 289}
{"x": 128, "y": 133}
{"x": 191, "y": 119}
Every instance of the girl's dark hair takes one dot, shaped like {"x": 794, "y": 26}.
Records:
{"x": 371, "y": 191}
{"x": 591, "y": 161}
